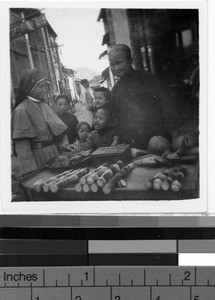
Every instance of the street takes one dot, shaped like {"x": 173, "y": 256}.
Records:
{"x": 82, "y": 114}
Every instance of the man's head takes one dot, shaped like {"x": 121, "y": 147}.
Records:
{"x": 120, "y": 60}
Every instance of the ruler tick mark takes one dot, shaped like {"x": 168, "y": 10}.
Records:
{"x": 81, "y": 282}
{"x": 31, "y": 291}
{"x": 68, "y": 279}
{"x": 119, "y": 279}
{"x": 44, "y": 277}
{"x": 195, "y": 275}
{"x": 106, "y": 282}
{"x": 157, "y": 282}
{"x": 94, "y": 276}
{"x": 208, "y": 282}
{"x": 170, "y": 280}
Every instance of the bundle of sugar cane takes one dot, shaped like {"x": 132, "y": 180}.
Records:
{"x": 176, "y": 185}
{"x": 38, "y": 185}
{"x": 110, "y": 172}
{"x": 170, "y": 176}
{"x": 100, "y": 174}
{"x": 91, "y": 184}
{"x": 47, "y": 184}
{"x": 154, "y": 182}
{"x": 174, "y": 179}
{"x": 51, "y": 184}
{"x": 88, "y": 179}
{"x": 96, "y": 174}
{"x": 94, "y": 187}
{"x": 158, "y": 179}
{"x": 114, "y": 180}
{"x": 71, "y": 179}
{"x": 82, "y": 181}
{"x": 147, "y": 185}
{"x": 166, "y": 180}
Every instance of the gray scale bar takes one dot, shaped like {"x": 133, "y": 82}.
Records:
{"x": 106, "y": 221}
{"x": 132, "y": 246}
{"x": 24, "y": 246}
{"x": 196, "y": 246}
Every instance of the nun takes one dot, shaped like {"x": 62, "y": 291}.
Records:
{"x": 38, "y": 134}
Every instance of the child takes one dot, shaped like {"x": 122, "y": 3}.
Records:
{"x": 102, "y": 97}
{"x": 63, "y": 106}
{"x": 103, "y": 134}
{"x": 82, "y": 129}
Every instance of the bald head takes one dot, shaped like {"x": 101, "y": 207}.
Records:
{"x": 120, "y": 60}
{"x": 122, "y": 49}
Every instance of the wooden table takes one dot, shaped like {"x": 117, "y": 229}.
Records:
{"x": 133, "y": 190}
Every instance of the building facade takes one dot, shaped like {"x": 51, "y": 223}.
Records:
{"x": 33, "y": 45}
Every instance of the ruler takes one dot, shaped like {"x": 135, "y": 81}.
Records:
{"x": 107, "y": 283}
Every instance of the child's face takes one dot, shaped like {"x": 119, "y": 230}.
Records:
{"x": 83, "y": 133}
{"x": 100, "y": 99}
{"x": 101, "y": 119}
{"x": 62, "y": 106}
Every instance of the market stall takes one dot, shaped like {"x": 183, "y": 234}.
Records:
{"x": 117, "y": 176}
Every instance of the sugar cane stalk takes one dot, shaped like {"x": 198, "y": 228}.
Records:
{"x": 113, "y": 181}
{"x": 74, "y": 177}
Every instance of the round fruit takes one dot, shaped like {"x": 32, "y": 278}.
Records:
{"x": 158, "y": 145}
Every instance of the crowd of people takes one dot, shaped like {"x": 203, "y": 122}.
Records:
{"x": 136, "y": 109}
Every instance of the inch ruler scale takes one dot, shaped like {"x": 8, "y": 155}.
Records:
{"x": 107, "y": 283}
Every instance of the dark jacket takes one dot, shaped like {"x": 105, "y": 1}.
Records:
{"x": 100, "y": 138}
{"x": 71, "y": 121}
{"x": 141, "y": 109}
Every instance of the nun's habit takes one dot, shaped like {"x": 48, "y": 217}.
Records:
{"x": 37, "y": 132}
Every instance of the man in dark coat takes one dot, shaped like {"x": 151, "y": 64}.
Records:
{"x": 141, "y": 108}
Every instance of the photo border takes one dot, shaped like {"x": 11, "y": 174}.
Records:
{"x": 192, "y": 206}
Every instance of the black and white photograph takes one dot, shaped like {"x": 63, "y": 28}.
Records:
{"x": 106, "y": 105}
